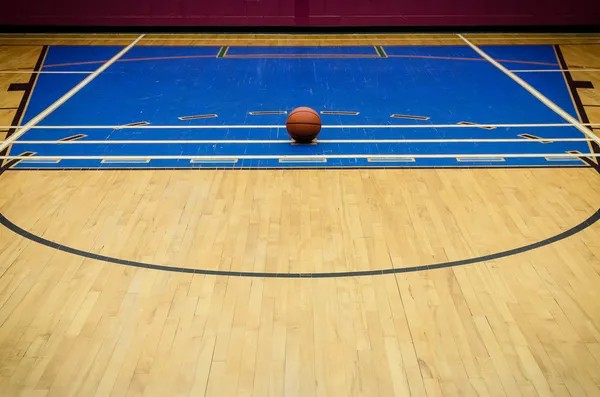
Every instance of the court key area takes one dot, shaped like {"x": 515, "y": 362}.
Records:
{"x": 381, "y": 106}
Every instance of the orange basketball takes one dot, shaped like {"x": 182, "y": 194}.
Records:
{"x": 303, "y": 124}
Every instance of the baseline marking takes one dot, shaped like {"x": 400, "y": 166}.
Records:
{"x": 303, "y": 157}
{"x": 528, "y": 139}
{"x": 535, "y": 93}
{"x": 32, "y": 123}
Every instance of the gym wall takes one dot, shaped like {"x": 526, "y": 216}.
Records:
{"x": 300, "y": 12}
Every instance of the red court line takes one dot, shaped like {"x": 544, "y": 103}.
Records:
{"x": 471, "y": 59}
{"x": 242, "y": 56}
{"x": 303, "y": 56}
{"x": 131, "y": 60}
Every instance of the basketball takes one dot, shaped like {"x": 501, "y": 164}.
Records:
{"x": 303, "y": 124}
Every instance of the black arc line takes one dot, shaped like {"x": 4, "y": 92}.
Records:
{"x": 85, "y": 254}
{"x": 40, "y": 240}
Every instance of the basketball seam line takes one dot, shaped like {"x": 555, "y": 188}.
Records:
{"x": 299, "y": 123}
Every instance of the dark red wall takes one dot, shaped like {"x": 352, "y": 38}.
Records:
{"x": 299, "y": 12}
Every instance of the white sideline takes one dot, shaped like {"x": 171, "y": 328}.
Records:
{"x": 572, "y": 120}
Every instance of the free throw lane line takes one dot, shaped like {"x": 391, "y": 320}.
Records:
{"x": 66, "y": 97}
{"x": 557, "y": 109}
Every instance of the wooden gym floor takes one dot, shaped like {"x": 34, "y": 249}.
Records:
{"x": 397, "y": 281}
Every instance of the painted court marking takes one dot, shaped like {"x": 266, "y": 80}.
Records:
{"x": 221, "y": 55}
{"x": 42, "y": 72}
{"x": 535, "y": 92}
{"x": 90, "y": 72}
{"x": 554, "y": 70}
{"x": 306, "y": 157}
{"x": 32, "y": 123}
{"x": 198, "y": 116}
{"x": 526, "y": 138}
{"x": 375, "y": 272}
{"x": 265, "y": 126}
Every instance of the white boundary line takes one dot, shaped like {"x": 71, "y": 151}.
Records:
{"x": 576, "y": 123}
{"x": 67, "y": 96}
{"x": 341, "y": 126}
{"x": 288, "y": 141}
{"x": 316, "y": 156}
{"x": 90, "y": 72}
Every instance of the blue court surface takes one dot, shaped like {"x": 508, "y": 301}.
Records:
{"x": 390, "y": 106}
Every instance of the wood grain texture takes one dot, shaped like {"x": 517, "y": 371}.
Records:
{"x": 524, "y": 325}
{"x": 586, "y": 40}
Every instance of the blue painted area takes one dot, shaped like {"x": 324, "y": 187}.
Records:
{"x": 196, "y": 82}
{"x": 526, "y": 57}
{"x": 432, "y": 51}
{"x": 258, "y": 149}
{"x": 87, "y": 58}
{"x": 369, "y": 50}
{"x": 526, "y": 53}
{"x": 161, "y": 92}
{"x": 49, "y": 88}
{"x": 330, "y": 163}
{"x": 58, "y": 56}
{"x": 552, "y": 85}
{"x": 170, "y": 51}
{"x": 279, "y": 133}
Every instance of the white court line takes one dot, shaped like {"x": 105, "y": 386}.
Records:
{"x": 32, "y": 123}
{"x": 90, "y": 72}
{"x": 233, "y": 127}
{"x": 42, "y": 72}
{"x": 554, "y": 70}
{"x": 316, "y": 156}
{"x": 576, "y": 123}
{"x": 288, "y": 141}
